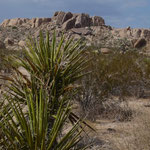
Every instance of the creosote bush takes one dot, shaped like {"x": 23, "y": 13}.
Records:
{"x": 115, "y": 74}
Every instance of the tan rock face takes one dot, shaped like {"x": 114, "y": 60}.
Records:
{"x": 92, "y": 29}
{"x": 123, "y": 33}
{"x": 39, "y": 21}
{"x": 97, "y": 21}
{"x": 136, "y": 33}
{"x": 34, "y": 22}
{"x": 67, "y": 16}
{"x": 59, "y": 17}
{"x": 83, "y": 20}
{"x": 69, "y": 24}
{"x": 5, "y": 22}
{"x": 14, "y": 22}
{"x": 140, "y": 43}
{"x": 81, "y": 31}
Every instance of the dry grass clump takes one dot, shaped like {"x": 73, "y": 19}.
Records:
{"x": 135, "y": 136}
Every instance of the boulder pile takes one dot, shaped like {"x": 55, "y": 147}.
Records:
{"x": 67, "y": 20}
{"x": 13, "y": 32}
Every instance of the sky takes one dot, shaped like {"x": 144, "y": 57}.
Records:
{"x": 117, "y": 13}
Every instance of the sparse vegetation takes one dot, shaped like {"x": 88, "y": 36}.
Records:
{"x": 113, "y": 75}
{"x": 38, "y": 105}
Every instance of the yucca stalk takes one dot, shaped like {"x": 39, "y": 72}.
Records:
{"x": 52, "y": 68}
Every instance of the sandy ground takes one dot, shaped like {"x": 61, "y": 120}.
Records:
{"x": 128, "y": 135}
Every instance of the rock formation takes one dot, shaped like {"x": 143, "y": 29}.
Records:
{"x": 13, "y": 32}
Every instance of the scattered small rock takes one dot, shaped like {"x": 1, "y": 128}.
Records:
{"x": 106, "y": 50}
{"x": 98, "y": 21}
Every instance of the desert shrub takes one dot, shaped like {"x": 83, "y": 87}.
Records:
{"x": 115, "y": 74}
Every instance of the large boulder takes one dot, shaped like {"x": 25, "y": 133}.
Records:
{"x": 67, "y": 16}
{"x": 69, "y": 24}
{"x": 81, "y": 31}
{"x": 136, "y": 33}
{"x": 32, "y": 22}
{"x": 59, "y": 17}
{"x": 140, "y": 43}
{"x": 124, "y": 33}
{"x": 83, "y": 20}
{"x": 97, "y": 21}
{"x": 39, "y": 21}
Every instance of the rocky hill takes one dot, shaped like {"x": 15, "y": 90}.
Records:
{"x": 13, "y": 32}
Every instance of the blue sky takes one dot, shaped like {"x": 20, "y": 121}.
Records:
{"x": 117, "y": 13}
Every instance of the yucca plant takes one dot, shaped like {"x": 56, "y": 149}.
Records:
{"x": 32, "y": 129}
{"x": 56, "y": 65}
{"x": 52, "y": 69}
